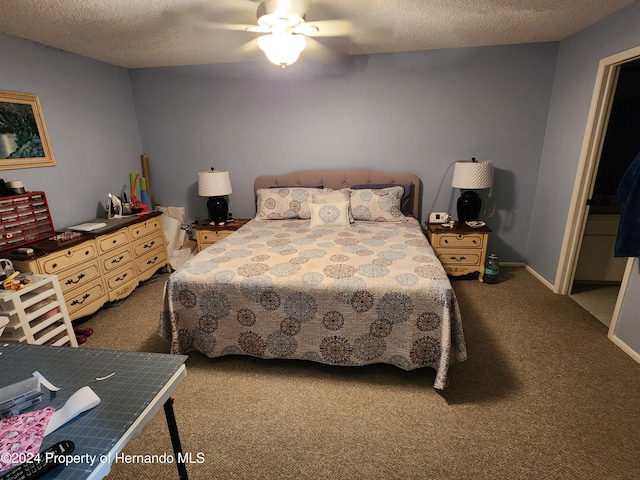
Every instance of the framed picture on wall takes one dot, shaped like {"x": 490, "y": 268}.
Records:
{"x": 24, "y": 142}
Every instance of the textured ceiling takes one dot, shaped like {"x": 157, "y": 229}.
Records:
{"x": 149, "y": 33}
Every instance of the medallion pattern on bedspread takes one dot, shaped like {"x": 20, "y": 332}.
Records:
{"x": 370, "y": 293}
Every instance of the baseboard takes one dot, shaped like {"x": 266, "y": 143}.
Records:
{"x": 625, "y": 348}
{"x": 543, "y": 280}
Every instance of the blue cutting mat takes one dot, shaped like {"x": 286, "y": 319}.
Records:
{"x": 124, "y": 396}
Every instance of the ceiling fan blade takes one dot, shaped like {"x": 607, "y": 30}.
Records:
{"x": 249, "y": 47}
{"x": 326, "y": 28}
{"x": 242, "y": 27}
{"x": 319, "y": 52}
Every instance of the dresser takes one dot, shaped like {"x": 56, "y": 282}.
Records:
{"x": 461, "y": 249}
{"x": 103, "y": 265}
{"x": 207, "y": 234}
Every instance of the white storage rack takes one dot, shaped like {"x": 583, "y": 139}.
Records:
{"x": 37, "y": 314}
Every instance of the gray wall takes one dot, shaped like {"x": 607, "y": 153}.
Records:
{"x": 578, "y": 60}
{"x": 409, "y": 112}
{"x": 627, "y": 327}
{"x": 89, "y": 112}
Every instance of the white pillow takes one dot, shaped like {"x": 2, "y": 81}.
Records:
{"x": 329, "y": 214}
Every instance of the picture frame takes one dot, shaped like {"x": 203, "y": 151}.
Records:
{"x": 24, "y": 141}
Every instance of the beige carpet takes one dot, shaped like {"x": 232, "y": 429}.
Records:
{"x": 543, "y": 395}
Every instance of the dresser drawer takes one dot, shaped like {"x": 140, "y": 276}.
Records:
{"x": 121, "y": 282}
{"x": 86, "y": 301}
{"x": 457, "y": 240}
{"x": 107, "y": 243}
{"x": 145, "y": 228}
{"x": 147, "y": 244}
{"x": 56, "y": 262}
{"x": 147, "y": 265}
{"x": 117, "y": 259}
{"x": 78, "y": 276}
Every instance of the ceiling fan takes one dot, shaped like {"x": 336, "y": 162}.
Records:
{"x": 287, "y": 33}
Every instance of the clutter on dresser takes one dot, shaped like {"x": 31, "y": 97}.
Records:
{"x": 24, "y": 219}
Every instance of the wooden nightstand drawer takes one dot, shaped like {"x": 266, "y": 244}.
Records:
{"x": 460, "y": 258}
{"x": 450, "y": 240}
{"x": 207, "y": 234}
{"x": 211, "y": 237}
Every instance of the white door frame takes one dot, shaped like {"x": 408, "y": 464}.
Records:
{"x": 603, "y": 93}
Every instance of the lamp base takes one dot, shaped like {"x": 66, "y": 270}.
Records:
{"x": 469, "y": 205}
{"x": 218, "y": 209}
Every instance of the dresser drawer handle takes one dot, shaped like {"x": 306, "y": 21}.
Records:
{"x": 78, "y": 278}
{"x": 457, "y": 259}
{"x": 149, "y": 245}
{"x": 117, "y": 260}
{"x": 79, "y": 302}
{"x": 460, "y": 236}
{"x": 119, "y": 279}
{"x": 446, "y": 241}
{"x": 151, "y": 262}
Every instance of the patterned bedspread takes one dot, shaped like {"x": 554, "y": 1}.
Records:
{"x": 370, "y": 293}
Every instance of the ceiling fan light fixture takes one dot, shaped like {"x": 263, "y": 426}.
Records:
{"x": 282, "y": 48}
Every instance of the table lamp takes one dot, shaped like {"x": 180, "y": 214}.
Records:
{"x": 469, "y": 176}
{"x": 215, "y": 184}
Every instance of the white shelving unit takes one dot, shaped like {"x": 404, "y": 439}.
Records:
{"x": 37, "y": 314}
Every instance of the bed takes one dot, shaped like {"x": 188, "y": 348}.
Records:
{"x": 299, "y": 281}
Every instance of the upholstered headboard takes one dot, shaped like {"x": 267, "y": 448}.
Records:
{"x": 338, "y": 179}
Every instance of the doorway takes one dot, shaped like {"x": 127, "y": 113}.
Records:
{"x": 601, "y": 106}
{"x": 598, "y": 274}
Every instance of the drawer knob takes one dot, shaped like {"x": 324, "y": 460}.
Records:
{"x": 459, "y": 236}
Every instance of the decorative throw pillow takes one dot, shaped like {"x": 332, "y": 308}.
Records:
{"x": 284, "y": 203}
{"x": 329, "y": 214}
{"x": 377, "y": 205}
{"x": 333, "y": 196}
{"x": 405, "y": 206}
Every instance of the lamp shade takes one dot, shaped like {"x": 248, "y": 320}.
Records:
{"x": 215, "y": 183}
{"x": 472, "y": 175}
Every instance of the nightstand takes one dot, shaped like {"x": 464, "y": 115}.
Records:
{"x": 461, "y": 249}
{"x": 207, "y": 234}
